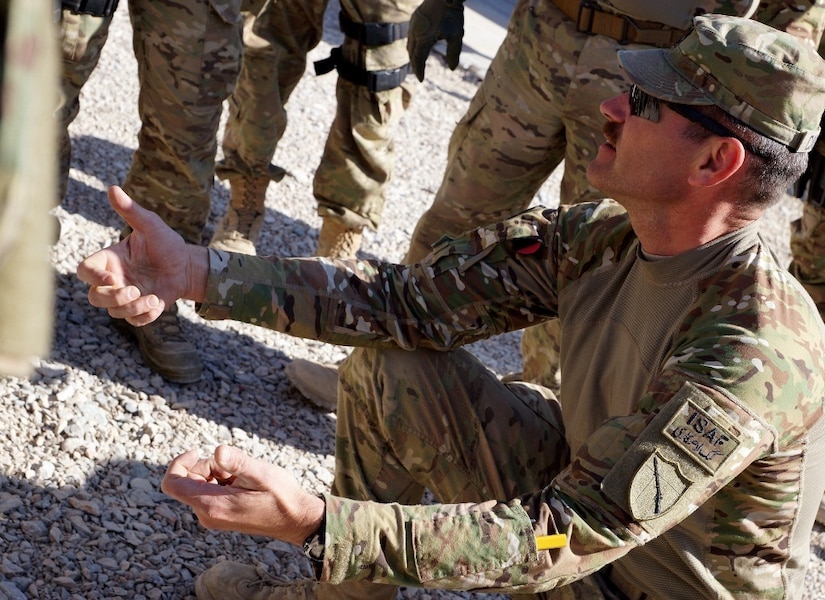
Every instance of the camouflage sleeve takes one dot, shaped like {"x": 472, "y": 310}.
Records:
{"x": 804, "y": 19}
{"x": 414, "y": 545}
{"x": 636, "y": 478}
{"x": 469, "y": 288}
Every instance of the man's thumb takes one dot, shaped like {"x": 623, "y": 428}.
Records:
{"x": 135, "y": 215}
{"x": 241, "y": 466}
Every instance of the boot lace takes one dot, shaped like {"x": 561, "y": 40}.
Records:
{"x": 251, "y": 210}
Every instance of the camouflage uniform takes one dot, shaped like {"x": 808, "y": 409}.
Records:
{"x": 28, "y": 59}
{"x": 188, "y": 55}
{"x": 808, "y": 232}
{"x": 539, "y": 105}
{"x": 808, "y": 238}
{"x": 351, "y": 180}
{"x": 82, "y": 37}
{"x": 683, "y": 458}
{"x": 706, "y": 348}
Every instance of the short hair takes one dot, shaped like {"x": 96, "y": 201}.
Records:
{"x": 771, "y": 168}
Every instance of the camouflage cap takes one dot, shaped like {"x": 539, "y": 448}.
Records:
{"x": 769, "y": 80}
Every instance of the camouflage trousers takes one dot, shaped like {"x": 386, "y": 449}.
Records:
{"x": 537, "y": 106}
{"x": 352, "y": 178}
{"x": 440, "y": 421}
{"x": 27, "y": 183}
{"x": 82, "y": 38}
{"x": 188, "y": 55}
{"x": 808, "y": 252}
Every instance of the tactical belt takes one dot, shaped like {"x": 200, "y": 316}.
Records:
{"x": 590, "y": 18}
{"x": 374, "y": 81}
{"x": 96, "y": 8}
{"x": 372, "y": 34}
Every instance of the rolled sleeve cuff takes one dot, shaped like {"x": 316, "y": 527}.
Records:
{"x": 460, "y": 546}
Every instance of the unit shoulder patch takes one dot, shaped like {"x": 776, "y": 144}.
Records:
{"x": 707, "y": 439}
{"x": 656, "y": 487}
{"x": 673, "y": 462}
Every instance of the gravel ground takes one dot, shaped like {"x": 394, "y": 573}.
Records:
{"x": 85, "y": 441}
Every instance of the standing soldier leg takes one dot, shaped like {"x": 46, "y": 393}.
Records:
{"x": 352, "y": 178}
{"x": 27, "y": 182}
{"x": 538, "y": 105}
{"x": 808, "y": 232}
{"x": 277, "y": 37}
{"x": 351, "y": 181}
{"x": 513, "y": 134}
{"x": 808, "y": 242}
{"x": 82, "y": 37}
{"x": 188, "y": 54}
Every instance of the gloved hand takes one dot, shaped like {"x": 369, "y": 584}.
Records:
{"x": 435, "y": 20}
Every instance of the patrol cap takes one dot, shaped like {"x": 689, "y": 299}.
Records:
{"x": 767, "y": 79}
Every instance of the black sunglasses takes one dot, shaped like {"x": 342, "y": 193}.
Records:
{"x": 646, "y": 106}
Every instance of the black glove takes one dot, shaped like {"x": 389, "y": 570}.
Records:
{"x": 435, "y": 20}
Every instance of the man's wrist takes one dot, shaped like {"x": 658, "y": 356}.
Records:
{"x": 315, "y": 546}
{"x": 198, "y": 272}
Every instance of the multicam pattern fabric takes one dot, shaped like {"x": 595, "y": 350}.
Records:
{"x": 700, "y": 373}
{"x": 82, "y": 38}
{"x": 28, "y": 59}
{"x": 351, "y": 181}
{"x": 808, "y": 232}
{"x": 539, "y": 105}
{"x": 808, "y": 251}
{"x": 188, "y": 54}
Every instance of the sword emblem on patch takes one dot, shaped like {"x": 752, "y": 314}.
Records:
{"x": 656, "y": 487}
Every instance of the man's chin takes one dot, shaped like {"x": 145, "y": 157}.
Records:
{"x": 597, "y": 171}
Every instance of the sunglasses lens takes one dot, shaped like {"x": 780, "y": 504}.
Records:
{"x": 643, "y": 104}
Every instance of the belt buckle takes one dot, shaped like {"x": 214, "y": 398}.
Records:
{"x": 593, "y": 7}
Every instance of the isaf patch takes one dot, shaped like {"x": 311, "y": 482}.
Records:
{"x": 675, "y": 458}
{"x": 707, "y": 439}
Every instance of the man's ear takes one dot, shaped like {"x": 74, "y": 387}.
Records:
{"x": 721, "y": 158}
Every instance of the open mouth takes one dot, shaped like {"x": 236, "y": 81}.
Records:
{"x": 610, "y": 131}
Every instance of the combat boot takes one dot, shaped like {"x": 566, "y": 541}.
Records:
{"x": 164, "y": 349}
{"x": 241, "y": 225}
{"x": 230, "y": 580}
{"x": 317, "y": 382}
{"x": 336, "y": 240}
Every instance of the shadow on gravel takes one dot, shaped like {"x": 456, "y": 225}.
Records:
{"x": 244, "y": 389}
{"x": 111, "y": 533}
{"x": 109, "y": 163}
{"x": 469, "y": 76}
{"x": 105, "y": 161}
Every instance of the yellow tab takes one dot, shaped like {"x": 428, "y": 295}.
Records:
{"x": 547, "y": 542}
